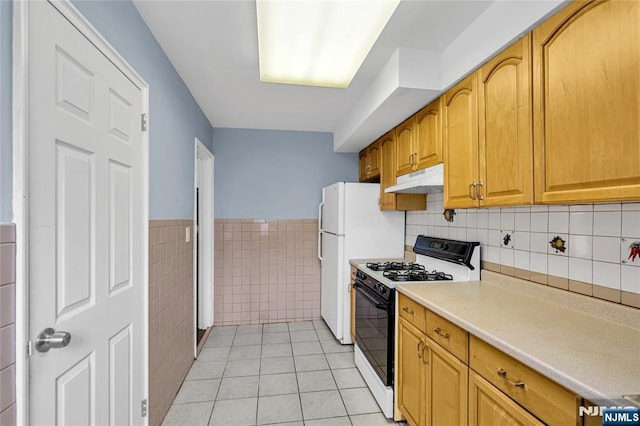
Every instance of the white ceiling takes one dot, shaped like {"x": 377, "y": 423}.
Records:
{"x": 213, "y": 46}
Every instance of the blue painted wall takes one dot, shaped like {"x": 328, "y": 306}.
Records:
{"x": 6, "y": 140}
{"x": 275, "y": 174}
{"x": 175, "y": 117}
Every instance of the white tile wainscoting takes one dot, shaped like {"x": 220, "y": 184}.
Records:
{"x": 597, "y": 260}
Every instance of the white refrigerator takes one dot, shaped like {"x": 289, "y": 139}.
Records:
{"x": 351, "y": 226}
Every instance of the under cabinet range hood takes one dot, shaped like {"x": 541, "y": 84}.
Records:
{"x": 425, "y": 181}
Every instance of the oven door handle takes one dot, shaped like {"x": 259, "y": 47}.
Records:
{"x": 383, "y": 306}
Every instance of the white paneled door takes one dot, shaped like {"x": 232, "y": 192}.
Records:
{"x": 86, "y": 235}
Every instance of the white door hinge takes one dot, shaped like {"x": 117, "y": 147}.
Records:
{"x": 144, "y": 407}
{"x": 29, "y": 348}
{"x": 143, "y": 122}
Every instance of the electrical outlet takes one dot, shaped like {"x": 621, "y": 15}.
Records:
{"x": 187, "y": 234}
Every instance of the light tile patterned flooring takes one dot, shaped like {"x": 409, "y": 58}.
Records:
{"x": 287, "y": 373}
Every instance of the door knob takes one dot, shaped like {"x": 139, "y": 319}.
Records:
{"x": 49, "y": 338}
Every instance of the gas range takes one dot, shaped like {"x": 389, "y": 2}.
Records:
{"x": 438, "y": 261}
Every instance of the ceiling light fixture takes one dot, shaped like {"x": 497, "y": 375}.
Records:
{"x": 318, "y": 42}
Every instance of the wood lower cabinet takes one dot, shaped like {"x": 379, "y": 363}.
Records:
{"x": 490, "y": 407}
{"x": 412, "y": 373}
{"x": 586, "y": 80}
{"x": 447, "y": 386}
{"x": 432, "y": 384}
{"x": 435, "y": 386}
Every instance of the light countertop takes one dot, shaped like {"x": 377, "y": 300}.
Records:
{"x": 589, "y": 346}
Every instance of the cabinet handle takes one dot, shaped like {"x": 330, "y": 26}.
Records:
{"x": 439, "y": 332}
{"x": 425, "y": 359}
{"x": 407, "y": 310}
{"x": 420, "y": 346}
{"x": 415, "y": 158}
{"x": 349, "y": 288}
{"x": 479, "y": 190}
{"x": 517, "y": 383}
{"x": 473, "y": 190}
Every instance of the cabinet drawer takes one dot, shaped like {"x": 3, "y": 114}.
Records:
{"x": 412, "y": 311}
{"x": 448, "y": 335}
{"x": 547, "y": 400}
{"x": 489, "y": 406}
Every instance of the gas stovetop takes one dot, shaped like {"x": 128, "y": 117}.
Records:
{"x": 437, "y": 259}
{"x": 417, "y": 275}
{"x": 395, "y": 266}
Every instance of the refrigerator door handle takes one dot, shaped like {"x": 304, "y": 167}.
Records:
{"x": 320, "y": 231}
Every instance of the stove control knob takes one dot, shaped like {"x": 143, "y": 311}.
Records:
{"x": 383, "y": 290}
{"x": 360, "y": 275}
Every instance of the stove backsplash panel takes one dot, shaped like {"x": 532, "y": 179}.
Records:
{"x": 266, "y": 271}
{"x": 592, "y": 249}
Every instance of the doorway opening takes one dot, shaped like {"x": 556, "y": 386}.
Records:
{"x": 203, "y": 243}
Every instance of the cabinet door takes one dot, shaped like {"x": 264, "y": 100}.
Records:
{"x": 586, "y": 62}
{"x": 490, "y": 407}
{"x": 461, "y": 144}
{"x": 373, "y": 157}
{"x": 387, "y": 171}
{"x": 504, "y": 119}
{"x": 405, "y": 147}
{"x": 447, "y": 387}
{"x": 428, "y": 137}
{"x": 411, "y": 372}
{"x": 364, "y": 164}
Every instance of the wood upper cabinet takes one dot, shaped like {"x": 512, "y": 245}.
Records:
{"x": 405, "y": 146}
{"x": 364, "y": 161}
{"x": 419, "y": 140}
{"x": 586, "y": 106}
{"x": 390, "y": 201}
{"x": 505, "y": 127}
{"x": 387, "y": 171}
{"x": 488, "y": 133}
{"x": 370, "y": 163}
{"x": 428, "y": 140}
{"x": 461, "y": 143}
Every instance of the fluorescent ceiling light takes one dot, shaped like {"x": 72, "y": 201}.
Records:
{"x": 318, "y": 42}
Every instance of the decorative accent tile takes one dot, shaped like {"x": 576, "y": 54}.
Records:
{"x": 507, "y": 239}
{"x": 630, "y": 251}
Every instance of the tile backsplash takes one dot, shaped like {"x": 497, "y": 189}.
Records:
{"x": 266, "y": 271}
{"x": 592, "y": 249}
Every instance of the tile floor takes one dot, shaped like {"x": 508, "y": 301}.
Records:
{"x": 287, "y": 373}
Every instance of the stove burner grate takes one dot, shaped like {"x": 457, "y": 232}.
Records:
{"x": 395, "y": 266}
{"x": 417, "y": 275}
